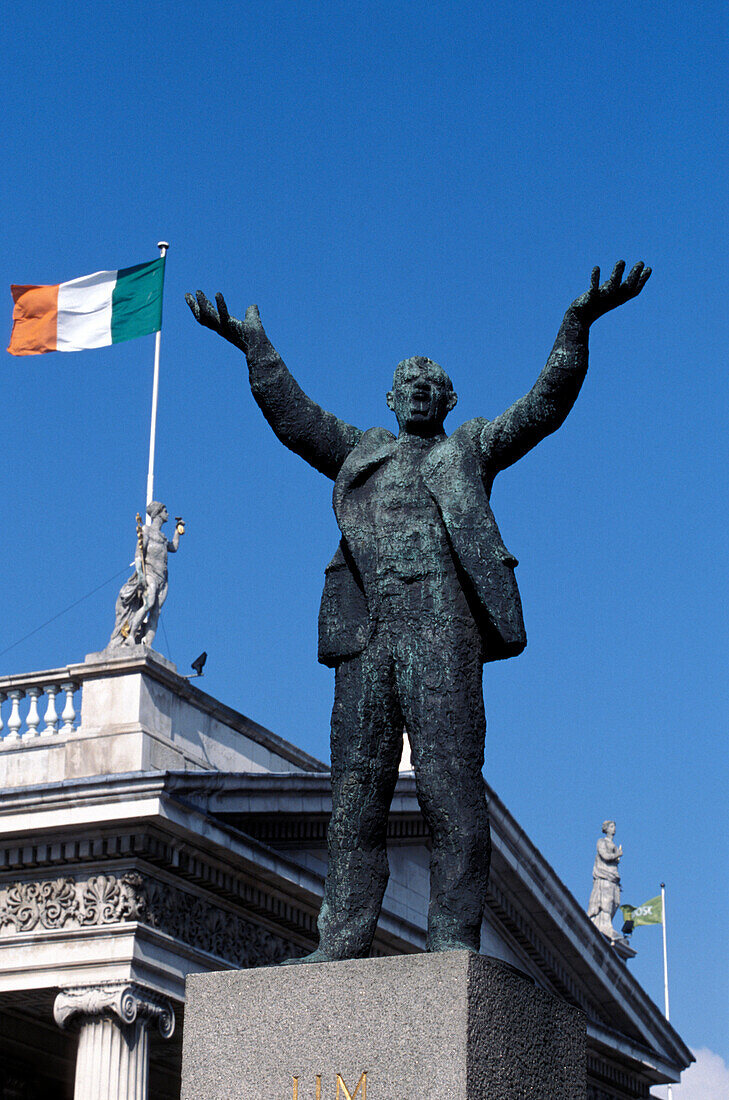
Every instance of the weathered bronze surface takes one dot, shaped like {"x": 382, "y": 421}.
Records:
{"x": 420, "y": 593}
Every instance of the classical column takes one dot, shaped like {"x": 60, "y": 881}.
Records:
{"x": 112, "y": 1062}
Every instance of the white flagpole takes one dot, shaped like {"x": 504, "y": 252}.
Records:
{"x": 162, "y": 246}
{"x": 665, "y": 964}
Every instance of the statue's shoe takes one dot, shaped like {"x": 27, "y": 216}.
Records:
{"x": 317, "y": 956}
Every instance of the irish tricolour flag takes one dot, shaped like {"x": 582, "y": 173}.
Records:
{"x": 91, "y": 312}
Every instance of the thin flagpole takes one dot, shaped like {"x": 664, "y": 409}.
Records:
{"x": 162, "y": 246}
{"x": 665, "y": 964}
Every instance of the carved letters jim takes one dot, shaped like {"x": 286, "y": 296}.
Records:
{"x": 420, "y": 593}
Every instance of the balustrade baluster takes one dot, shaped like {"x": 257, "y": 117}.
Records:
{"x": 3, "y": 697}
{"x": 69, "y": 714}
{"x": 15, "y": 721}
{"x": 51, "y": 718}
{"x": 32, "y": 720}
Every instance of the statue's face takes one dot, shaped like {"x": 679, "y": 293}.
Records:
{"x": 421, "y": 396}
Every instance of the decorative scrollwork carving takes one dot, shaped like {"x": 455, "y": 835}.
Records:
{"x": 132, "y": 902}
{"x": 101, "y": 896}
{"x": 60, "y": 904}
{"x": 212, "y": 929}
{"x": 50, "y": 904}
{"x": 110, "y": 899}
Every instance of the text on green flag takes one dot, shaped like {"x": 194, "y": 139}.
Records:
{"x": 650, "y": 912}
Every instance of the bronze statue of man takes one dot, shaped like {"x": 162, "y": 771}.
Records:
{"x": 420, "y": 593}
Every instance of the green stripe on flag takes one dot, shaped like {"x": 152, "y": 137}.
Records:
{"x": 136, "y": 301}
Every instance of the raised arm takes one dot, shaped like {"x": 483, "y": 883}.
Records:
{"x": 302, "y": 425}
{"x": 544, "y": 408}
{"x": 174, "y": 542}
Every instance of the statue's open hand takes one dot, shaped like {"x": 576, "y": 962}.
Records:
{"x": 241, "y": 333}
{"x": 613, "y": 292}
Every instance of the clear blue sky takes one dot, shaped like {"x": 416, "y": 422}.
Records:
{"x": 389, "y": 179}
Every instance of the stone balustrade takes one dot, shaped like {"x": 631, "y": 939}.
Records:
{"x": 38, "y": 705}
{"x": 126, "y": 711}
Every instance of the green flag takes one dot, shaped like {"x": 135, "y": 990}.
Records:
{"x": 650, "y": 912}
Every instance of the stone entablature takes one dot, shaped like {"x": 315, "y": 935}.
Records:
{"x": 66, "y": 902}
{"x": 608, "y": 1081}
{"x": 96, "y": 901}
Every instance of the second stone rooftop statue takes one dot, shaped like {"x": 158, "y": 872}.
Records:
{"x": 141, "y": 598}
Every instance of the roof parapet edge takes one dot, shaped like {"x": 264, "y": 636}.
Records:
{"x": 158, "y": 668}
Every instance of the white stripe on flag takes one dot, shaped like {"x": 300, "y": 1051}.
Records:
{"x": 84, "y": 312}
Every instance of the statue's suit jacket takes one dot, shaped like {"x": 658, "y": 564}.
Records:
{"x": 458, "y": 473}
{"x": 453, "y": 474}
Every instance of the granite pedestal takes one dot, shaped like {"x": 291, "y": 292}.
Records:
{"x": 447, "y": 1026}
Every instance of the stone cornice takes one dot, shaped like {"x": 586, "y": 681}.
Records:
{"x": 87, "y": 790}
{"x": 606, "y": 1041}
{"x": 125, "y": 1001}
{"x": 293, "y": 831}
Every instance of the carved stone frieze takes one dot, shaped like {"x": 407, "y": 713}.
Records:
{"x": 106, "y": 898}
{"x": 62, "y": 902}
{"x": 34, "y": 860}
{"x": 125, "y": 1001}
{"x": 50, "y": 904}
{"x": 211, "y": 928}
{"x": 99, "y": 900}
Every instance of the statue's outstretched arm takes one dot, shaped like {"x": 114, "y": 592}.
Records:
{"x": 544, "y": 408}
{"x": 307, "y": 429}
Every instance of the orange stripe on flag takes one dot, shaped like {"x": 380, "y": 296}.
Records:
{"x": 35, "y": 317}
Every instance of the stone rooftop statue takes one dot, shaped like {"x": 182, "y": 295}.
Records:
{"x": 420, "y": 593}
{"x": 140, "y": 600}
{"x": 605, "y": 896}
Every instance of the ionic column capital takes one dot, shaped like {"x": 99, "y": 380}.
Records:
{"x": 125, "y": 1002}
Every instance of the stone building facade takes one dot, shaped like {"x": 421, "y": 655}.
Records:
{"x": 149, "y": 832}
